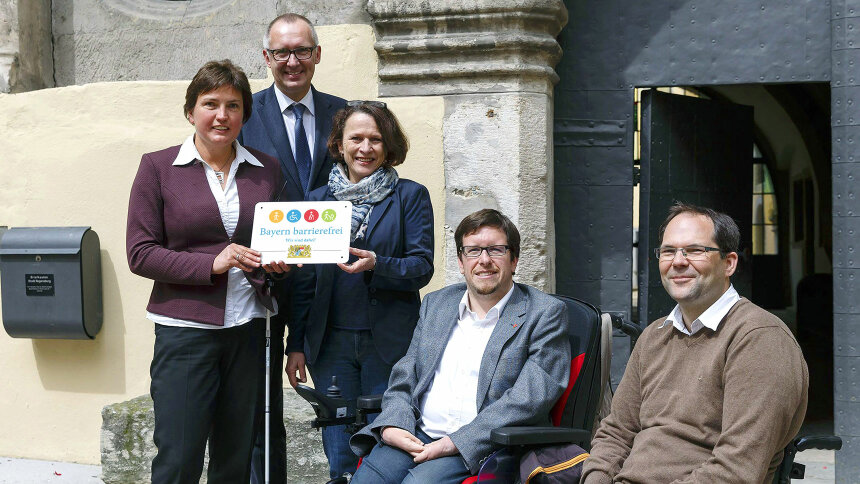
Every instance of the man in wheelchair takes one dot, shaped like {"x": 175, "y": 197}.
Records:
{"x": 714, "y": 391}
{"x": 485, "y": 354}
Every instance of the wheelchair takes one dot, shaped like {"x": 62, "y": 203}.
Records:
{"x": 574, "y": 416}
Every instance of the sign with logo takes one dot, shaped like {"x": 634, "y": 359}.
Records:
{"x": 302, "y": 232}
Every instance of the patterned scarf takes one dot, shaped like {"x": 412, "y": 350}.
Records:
{"x": 369, "y": 191}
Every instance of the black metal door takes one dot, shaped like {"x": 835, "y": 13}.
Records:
{"x": 696, "y": 151}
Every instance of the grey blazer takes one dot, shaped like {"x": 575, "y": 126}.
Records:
{"x": 524, "y": 370}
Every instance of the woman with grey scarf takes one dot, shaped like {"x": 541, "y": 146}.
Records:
{"x": 353, "y": 321}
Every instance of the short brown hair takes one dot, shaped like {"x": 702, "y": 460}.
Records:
{"x": 393, "y": 139}
{"x": 726, "y": 234}
{"x": 214, "y": 75}
{"x": 488, "y": 218}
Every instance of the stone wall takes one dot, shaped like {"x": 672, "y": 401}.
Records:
{"x": 127, "y": 40}
{"x": 127, "y": 448}
{"x": 25, "y": 45}
{"x": 492, "y": 62}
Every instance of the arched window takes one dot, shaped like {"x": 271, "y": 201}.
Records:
{"x": 765, "y": 240}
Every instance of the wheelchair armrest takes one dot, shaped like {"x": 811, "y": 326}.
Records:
{"x": 826, "y": 442}
{"x": 788, "y": 469}
{"x": 326, "y": 408}
{"x": 511, "y": 436}
{"x": 369, "y": 402}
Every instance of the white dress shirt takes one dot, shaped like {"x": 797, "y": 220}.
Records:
{"x": 308, "y": 118}
{"x": 451, "y": 400}
{"x": 242, "y": 305}
{"x": 709, "y": 319}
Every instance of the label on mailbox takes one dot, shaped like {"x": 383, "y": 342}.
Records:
{"x": 39, "y": 284}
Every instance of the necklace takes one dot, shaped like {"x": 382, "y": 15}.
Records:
{"x": 219, "y": 173}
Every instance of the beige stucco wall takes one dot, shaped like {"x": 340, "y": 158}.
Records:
{"x": 69, "y": 156}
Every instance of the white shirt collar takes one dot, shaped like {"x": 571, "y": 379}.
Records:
{"x": 494, "y": 312}
{"x": 284, "y": 102}
{"x": 188, "y": 153}
{"x": 710, "y": 319}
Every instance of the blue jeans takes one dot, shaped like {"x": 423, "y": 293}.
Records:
{"x": 351, "y": 356}
{"x": 390, "y": 465}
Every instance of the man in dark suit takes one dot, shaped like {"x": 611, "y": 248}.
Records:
{"x": 291, "y": 121}
{"x": 485, "y": 354}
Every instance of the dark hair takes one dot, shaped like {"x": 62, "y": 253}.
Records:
{"x": 727, "y": 235}
{"x": 214, "y": 75}
{"x": 289, "y": 18}
{"x": 488, "y": 218}
{"x": 393, "y": 139}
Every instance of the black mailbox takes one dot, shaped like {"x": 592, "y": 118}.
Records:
{"x": 51, "y": 282}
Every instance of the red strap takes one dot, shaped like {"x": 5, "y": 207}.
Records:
{"x": 558, "y": 408}
{"x": 474, "y": 479}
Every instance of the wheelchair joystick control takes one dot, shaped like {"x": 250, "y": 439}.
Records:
{"x": 330, "y": 407}
{"x": 333, "y": 391}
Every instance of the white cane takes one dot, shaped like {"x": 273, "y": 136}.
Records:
{"x": 268, "y": 396}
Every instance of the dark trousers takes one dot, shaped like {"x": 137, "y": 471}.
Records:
{"x": 205, "y": 384}
{"x": 277, "y": 432}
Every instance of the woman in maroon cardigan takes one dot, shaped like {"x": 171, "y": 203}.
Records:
{"x": 189, "y": 227}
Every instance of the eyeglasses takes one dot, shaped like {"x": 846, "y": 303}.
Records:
{"x": 691, "y": 252}
{"x": 358, "y": 102}
{"x": 474, "y": 251}
{"x": 283, "y": 55}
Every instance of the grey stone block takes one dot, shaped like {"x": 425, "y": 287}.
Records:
{"x": 126, "y": 441}
{"x": 127, "y": 448}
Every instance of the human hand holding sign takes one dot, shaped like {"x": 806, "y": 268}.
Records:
{"x": 235, "y": 255}
{"x": 366, "y": 261}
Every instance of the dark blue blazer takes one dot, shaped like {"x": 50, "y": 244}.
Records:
{"x": 400, "y": 232}
{"x": 266, "y": 132}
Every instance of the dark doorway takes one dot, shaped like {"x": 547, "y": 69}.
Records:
{"x": 695, "y": 151}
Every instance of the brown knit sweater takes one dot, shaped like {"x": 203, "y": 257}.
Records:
{"x": 715, "y": 407}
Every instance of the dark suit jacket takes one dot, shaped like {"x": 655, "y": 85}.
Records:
{"x": 265, "y": 131}
{"x": 175, "y": 231}
{"x": 400, "y": 232}
{"x": 524, "y": 370}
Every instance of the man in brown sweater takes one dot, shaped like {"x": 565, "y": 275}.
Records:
{"x": 713, "y": 392}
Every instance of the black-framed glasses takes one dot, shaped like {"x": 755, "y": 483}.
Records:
{"x": 283, "y": 55}
{"x": 359, "y": 102}
{"x": 690, "y": 252}
{"x": 474, "y": 251}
